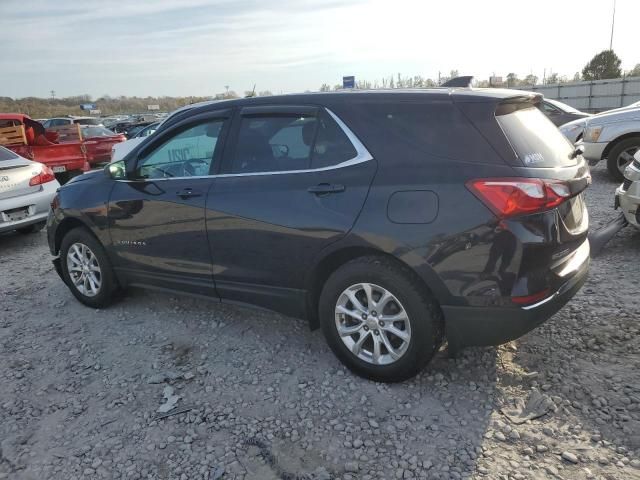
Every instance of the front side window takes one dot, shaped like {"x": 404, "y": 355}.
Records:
{"x": 189, "y": 152}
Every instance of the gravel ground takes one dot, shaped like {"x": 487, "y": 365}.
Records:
{"x": 262, "y": 397}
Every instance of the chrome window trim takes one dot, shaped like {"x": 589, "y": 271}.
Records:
{"x": 362, "y": 155}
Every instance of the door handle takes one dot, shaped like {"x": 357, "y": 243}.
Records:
{"x": 188, "y": 193}
{"x": 326, "y": 188}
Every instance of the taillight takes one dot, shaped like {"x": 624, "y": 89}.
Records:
{"x": 508, "y": 197}
{"x": 45, "y": 175}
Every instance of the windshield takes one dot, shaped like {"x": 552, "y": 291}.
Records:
{"x": 6, "y": 154}
{"x": 97, "y": 132}
{"x": 535, "y": 139}
{"x": 145, "y": 132}
{"x": 562, "y": 106}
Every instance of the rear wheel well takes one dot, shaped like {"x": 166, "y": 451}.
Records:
{"x": 334, "y": 261}
{"x": 613, "y": 143}
{"x": 65, "y": 227}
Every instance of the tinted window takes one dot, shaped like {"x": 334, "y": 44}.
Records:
{"x": 188, "y": 153}
{"x": 548, "y": 108}
{"x": 88, "y": 121}
{"x": 536, "y": 141}
{"x": 332, "y": 146}
{"x": 403, "y": 132}
{"x": 272, "y": 144}
{"x": 6, "y": 154}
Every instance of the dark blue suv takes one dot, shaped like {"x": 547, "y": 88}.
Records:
{"x": 391, "y": 219}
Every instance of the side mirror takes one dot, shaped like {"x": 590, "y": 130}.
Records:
{"x": 116, "y": 170}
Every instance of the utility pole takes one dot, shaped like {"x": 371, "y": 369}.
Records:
{"x": 53, "y": 94}
{"x": 613, "y": 21}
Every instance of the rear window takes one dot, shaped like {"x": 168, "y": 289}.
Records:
{"x": 88, "y": 121}
{"x": 535, "y": 139}
{"x": 6, "y": 154}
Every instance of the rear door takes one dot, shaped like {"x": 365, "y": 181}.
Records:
{"x": 294, "y": 180}
{"x": 157, "y": 221}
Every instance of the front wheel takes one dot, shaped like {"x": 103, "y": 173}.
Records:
{"x": 379, "y": 320}
{"x": 86, "y": 269}
{"x": 622, "y": 155}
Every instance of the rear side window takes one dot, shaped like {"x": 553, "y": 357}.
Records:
{"x": 332, "y": 146}
{"x": 406, "y": 131}
{"x": 274, "y": 143}
{"x": 535, "y": 139}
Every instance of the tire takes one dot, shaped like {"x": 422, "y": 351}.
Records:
{"x": 34, "y": 228}
{"x": 424, "y": 323}
{"x": 72, "y": 245}
{"x": 614, "y": 157}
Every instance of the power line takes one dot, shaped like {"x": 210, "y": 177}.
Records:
{"x": 613, "y": 21}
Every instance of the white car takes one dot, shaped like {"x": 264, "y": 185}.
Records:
{"x": 26, "y": 191}
{"x": 628, "y": 194}
{"x": 62, "y": 121}
{"x": 120, "y": 150}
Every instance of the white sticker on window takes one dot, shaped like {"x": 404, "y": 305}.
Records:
{"x": 533, "y": 158}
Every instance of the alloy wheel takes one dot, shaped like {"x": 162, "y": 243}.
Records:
{"x": 372, "y": 323}
{"x": 625, "y": 158}
{"x": 84, "y": 269}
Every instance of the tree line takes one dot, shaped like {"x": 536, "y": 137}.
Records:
{"x": 603, "y": 65}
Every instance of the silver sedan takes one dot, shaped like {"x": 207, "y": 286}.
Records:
{"x": 26, "y": 191}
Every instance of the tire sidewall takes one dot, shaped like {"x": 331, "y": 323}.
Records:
{"x": 108, "y": 286}
{"x": 424, "y": 334}
{"x": 612, "y": 163}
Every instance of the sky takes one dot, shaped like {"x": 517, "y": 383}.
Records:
{"x": 197, "y": 47}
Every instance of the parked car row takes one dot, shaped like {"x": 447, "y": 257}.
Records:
{"x": 613, "y": 136}
{"x": 67, "y": 149}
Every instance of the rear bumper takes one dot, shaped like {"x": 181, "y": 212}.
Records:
{"x": 484, "y": 326}
{"x": 593, "y": 151}
{"x": 37, "y": 203}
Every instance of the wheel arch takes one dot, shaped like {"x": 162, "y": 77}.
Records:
{"x": 334, "y": 260}
{"x": 612, "y": 144}
{"x": 66, "y": 225}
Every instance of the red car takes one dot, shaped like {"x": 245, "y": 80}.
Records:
{"x": 28, "y": 138}
{"x": 99, "y": 141}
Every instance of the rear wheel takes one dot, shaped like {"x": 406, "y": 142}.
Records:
{"x": 378, "y": 320}
{"x": 622, "y": 155}
{"x": 34, "y": 228}
{"x": 86, "y": 269}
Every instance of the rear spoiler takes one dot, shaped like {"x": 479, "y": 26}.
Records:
{"x": 462, "y": 82}
{"x": 518, "y": 102}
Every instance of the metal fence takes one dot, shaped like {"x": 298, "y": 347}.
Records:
{"x": 593, "y": 96}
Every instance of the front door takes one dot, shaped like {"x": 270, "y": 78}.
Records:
{"x": 157, "y": 220}
{"x": 293, "y": 182}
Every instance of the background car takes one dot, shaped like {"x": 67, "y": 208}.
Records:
{"x": 613, "y": 136}
{"x": 26, "y": 191}
{"x": 628, "y": 194}
{"x": 560, "y": 113}
{"x": 119, "y": 150}
{"x": 99, "y": 141}
{"x": 62, "y": 121}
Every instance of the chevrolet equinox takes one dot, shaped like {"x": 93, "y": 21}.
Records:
{"x": 393, "y": 220}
